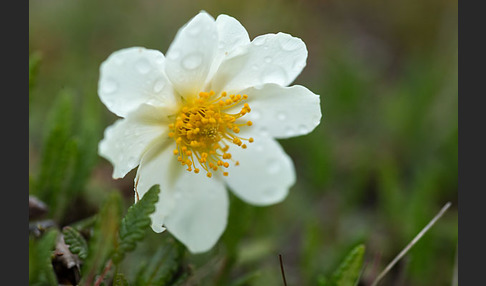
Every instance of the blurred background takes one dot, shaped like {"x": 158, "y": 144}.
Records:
{"x": 376, "y": 170}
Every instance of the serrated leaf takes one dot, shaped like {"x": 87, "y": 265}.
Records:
{"x": 40, "y": 261}
{"x": 136, "y": 221}
{"x": 88, "y": 135}
{"x": 77, "y": 243}
{"x": 349, "y": 271}
{"x": 101, "y": 245}
{"x": 58, "y": 154}
{"x": 120, "y": 280}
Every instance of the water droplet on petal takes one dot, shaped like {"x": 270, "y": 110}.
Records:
{"x": 109, "y": 86}
{"x": 255, "y": 67}
{"x": 274, "y": 75}
{"x": 268, "y": 60}
{"x": 303, "y": 129}
{"x": 298, "y": 64}
{"x": 269, "y": 193}
{"x": 192, "y": 61}
{"x": 281, "y": 116}
{"x": 159, "y": 85}
{"x": 264, "y": 131}
{"x": 289, "y": 131}
{"x": 288, "y": 44}
{"x": 254, "y": 114}
{"x": 159, "y": 60}
{"x": 194, "y": 30}
{"x": 119, "y": 60}
{"x": 273, "y": 166}
{"x": 142, "y": 66}
{"x": 257, "y": 145}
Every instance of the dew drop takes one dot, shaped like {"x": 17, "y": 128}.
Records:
{"x": 269, "y": 193}
{"x": 255, "y": 67}
{"x": 255, "y": 114}
{"x": 274, "y": 75}
{"x": 298, "y": 65}
{"x": 159, "y": 60}
{"x": 192, "y": 61}
{"x": 109, "y": 86}
{"x": 142, "y": 66}
{"x": 159, "y": 85}
{"x": 194, "y": 30}
{"x": 303, "y": 129}
{"x": 289, "y": 131}
{"x": 281, "y": 116}
{"x": 259, "y": 147}
{"x": 268, "y": 60}
{"x": 119, "y": 60}
{"x": 264, "y": 131}
{"x": 288, "y": 44}
{"x": 273, "y": 166}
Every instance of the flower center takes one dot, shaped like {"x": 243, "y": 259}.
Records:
{"x": 204, "y": 131}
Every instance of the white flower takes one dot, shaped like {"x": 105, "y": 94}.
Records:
{"x": 206, "y": 117}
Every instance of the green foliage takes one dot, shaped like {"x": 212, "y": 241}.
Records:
{"x": 120, "y": 280}
{"x": 349, "y": 270}
{"x": 77, "y": 243}
{"x": 135, "y": 223}
{"x": 34, "y": 62}
{"x": 40, "y": 253}
{"x": 102, "y": 244}
{"x": 165, "y": 266}
{"x": 57, "y": 156}
{"x": 381, "y": 162}
{"x": 69, "y": 152}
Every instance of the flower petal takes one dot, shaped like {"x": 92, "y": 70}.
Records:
{"x": 264, "y": 173}
{"x": 158, "y": 166}
{"x": 191, "y": 54}
{"x": 283, "y": 112}
{"x": 271, "y": 58}
{"x": 133, "y": 76}
{"x": 232, "y": 36}
{"x": 191, "y": 206}
{"x": 127, "y": 139}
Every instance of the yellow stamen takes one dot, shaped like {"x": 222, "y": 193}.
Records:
{"x": 204, "y": 131}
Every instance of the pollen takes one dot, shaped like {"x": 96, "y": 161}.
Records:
{"x": 206, "y": 129}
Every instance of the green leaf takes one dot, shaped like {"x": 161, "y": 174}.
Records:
{"x": 88, "y": 135}
{"x": 120, "y": 280}
{"x": 77, "y": 243}
{"x": 136, "y": 221}
{"x": 34, "y": 61}
{"x": 40, "y": 259}
{"x": 166, "y": 266}
{"x": 102, "y": 244}
{"x": 58, "y": 154}
{"x": 349, "y": 271}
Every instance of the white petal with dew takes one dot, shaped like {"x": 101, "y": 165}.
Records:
{"x": 133, "y": 76}
{"x": 201, "y": 212}
{"x": 191, "y": 54}
{"x": 264, "y": 174}
{"x": 127, "y": 139}
{"x": 232, "y": 36}
{"x": 271, "y": 58}
{"x": 191, "y": 206}
{"x": 282, "y": 112}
